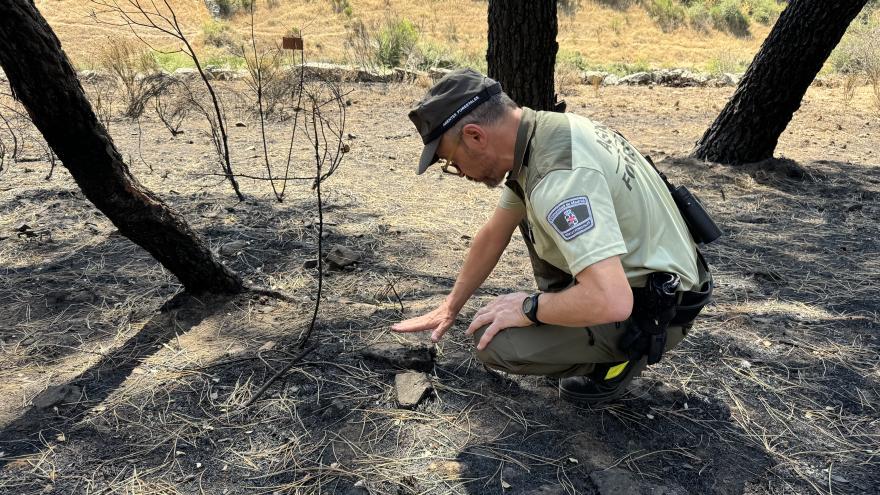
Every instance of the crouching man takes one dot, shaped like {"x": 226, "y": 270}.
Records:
{"x": 619, "y": 274}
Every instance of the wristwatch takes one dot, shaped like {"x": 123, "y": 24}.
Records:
{"x": 530, "y": 308}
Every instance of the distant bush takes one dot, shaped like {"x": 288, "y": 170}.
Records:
{"x": 699, "y": 16}
{"x": 571, "y": 59}
{"x": 617, "y": 4}
{"x": 765, "y": 11}
{"x": 342, "y": 7}
{"x": 389, "y": 44}
{"x": 669, "y": 14}
{"x": 228, "y": 8}
{"x": 430, "y": 54}
{"x": 133, "y": 66}
{"x": 626, "y": 68}
{"x": 858, "y": 54}
{"x": 732, "y": 16}
{"x": 396, "y": 41}
{"x": 217, "y": 34}
{"x": 725, "y": 63}
{"x": 172, "y": 61}
{"x": 728, "y": 15}
{"x": 568, "y": 8}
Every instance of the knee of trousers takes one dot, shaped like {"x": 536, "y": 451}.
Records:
{"x": 505, "y": 353}
{"x": 495, "y": 354}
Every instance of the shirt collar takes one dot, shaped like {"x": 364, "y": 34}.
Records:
{"x": 523, "y": 138}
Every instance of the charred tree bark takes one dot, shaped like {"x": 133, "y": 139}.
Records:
{"x": 748, "y": 128}
{"x": 522, "y": 50}
{"x": 42, "y": 78}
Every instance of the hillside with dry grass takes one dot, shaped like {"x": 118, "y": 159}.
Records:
{"x": 600, "y": 34}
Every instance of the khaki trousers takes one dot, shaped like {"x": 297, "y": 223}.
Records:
{"x": 558, "y": 351}
{"x": 554, "y": 350}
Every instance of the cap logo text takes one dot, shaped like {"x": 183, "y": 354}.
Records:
{"x": 461, "y": 109}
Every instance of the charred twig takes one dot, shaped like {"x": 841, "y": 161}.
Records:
{"x": 296, "y": 112}
{"x": 317, "y": 187}
{"x": 14, "y": 135}
{"x": 279, "y": 374}
{"x": 50, "y": 156}
{"x": 326, "y": 143}
{"x": 396, "y": 295}
{"x": 102, "y": 98}
{"x": 140, "y": 147}
{"x": 171, "y": 114}
{"x": 258, "y": 64}
{"x": 255, "y": 177}
{"x": 271, "y": 293}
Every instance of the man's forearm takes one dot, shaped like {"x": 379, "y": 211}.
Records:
{"x": 572, "y": 307}
{"x": 484, "y": 254}
{"x": 602, "y": 295}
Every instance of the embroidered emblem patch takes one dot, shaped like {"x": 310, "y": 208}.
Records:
{"x": 572, "y": 217}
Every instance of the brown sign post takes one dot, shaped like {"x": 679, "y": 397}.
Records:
{"x": 292, "y": 43}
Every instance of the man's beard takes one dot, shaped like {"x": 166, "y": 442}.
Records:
{"x": 489, "y": 182}
{"x": 492, "y": 183}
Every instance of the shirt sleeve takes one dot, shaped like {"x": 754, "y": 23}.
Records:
{"x": 510, "y": 201}
{"x": 576, "y": 210}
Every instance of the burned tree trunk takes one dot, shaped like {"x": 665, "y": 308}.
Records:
{"x": 522, "y": 50}
{"x": 42, "y": 78}
{"x": 748, "y": 128}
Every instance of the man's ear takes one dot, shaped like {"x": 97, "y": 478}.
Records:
{"x": 475, "y": 135}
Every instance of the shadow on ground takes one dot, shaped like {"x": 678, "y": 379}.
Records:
{"x": 30, "y": 432}
{"x": 775, "y": 390}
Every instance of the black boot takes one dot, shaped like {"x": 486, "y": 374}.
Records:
{"x": 607, "y": 382}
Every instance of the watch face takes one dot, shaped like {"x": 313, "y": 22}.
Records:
{"x": 527, "y": 305}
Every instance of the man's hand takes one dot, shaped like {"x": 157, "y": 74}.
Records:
{"x": 437, "y": 321}
{"x": 502, "y": 313}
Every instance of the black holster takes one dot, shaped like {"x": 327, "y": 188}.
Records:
{"x": 654, "y": 307}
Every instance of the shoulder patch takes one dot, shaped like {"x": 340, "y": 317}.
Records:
{"x": 572, "y": 217}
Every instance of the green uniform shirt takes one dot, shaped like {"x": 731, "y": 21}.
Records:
{"x": 590, "y": 195}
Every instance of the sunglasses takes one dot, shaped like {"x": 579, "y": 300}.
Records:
{"x": 449, "y": 167}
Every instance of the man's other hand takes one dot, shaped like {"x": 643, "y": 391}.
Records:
{"x": 437, "y": 322}
{"x": 502, "y": 313}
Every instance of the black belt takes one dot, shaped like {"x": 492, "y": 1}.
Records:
{"x": 690, "y": 302}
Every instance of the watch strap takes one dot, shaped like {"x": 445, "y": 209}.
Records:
{"x": 532, "y": 314}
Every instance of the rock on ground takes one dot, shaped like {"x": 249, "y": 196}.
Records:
{"x": 638, "y": 78}
{"x": 187, "y": 74}
{"x": 342, "y": 256}
{"x": 411, "y": 388}
{"x": 232, "y": 248}
{"x": 404, "y": 356}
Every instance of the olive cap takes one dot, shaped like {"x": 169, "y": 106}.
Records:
{"x": 454, "y": 96}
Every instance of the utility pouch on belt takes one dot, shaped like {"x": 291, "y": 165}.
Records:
{"x": 654, "y": 307}
{"x": 700, "y": 224}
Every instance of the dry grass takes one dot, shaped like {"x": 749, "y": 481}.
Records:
{"x": 602, "y": 35}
